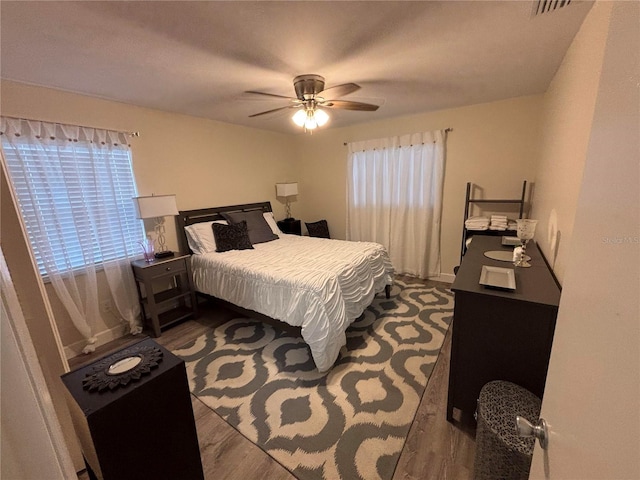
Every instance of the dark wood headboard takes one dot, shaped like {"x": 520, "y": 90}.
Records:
{"x": 189, "y": 217}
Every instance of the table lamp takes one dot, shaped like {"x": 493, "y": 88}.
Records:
{"x": 157, "y": 207}
{"x": 287, "y": 190}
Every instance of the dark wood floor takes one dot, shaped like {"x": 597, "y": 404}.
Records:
{"x": 435, "y": 449}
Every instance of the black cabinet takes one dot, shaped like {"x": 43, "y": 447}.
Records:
{"x": 291, "y": 226}
{"x": 145, "y": 429}
{"x": 500, "y": 335}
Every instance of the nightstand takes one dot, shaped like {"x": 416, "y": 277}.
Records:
{"x": 165, "y": 291}
{"x": 144, "y": 428}
{"x": 290, "y": 226}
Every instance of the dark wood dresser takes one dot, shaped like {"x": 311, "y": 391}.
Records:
{"x": 499, "y": 334}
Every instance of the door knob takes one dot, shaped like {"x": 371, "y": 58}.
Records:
{"x": 524, "y": 428}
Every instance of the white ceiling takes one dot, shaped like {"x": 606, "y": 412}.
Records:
{"x": 198, "y": 58}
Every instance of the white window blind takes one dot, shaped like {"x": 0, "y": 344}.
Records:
{"x": 79, "y": 197}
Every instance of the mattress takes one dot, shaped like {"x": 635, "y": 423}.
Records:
{"x": 318, "y": 284}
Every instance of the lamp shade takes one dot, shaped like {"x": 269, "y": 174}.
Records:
{"x": 156, "y": 206}
{"x": 286, "y": 189}
{"x": 321, "y": 117}
{"x": 310, "y": 118}
{"x": 299, "y": 117}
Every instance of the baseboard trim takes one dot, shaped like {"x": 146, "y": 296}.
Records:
{"x": 444, "y": 277}
{"x": 75, "y": 349}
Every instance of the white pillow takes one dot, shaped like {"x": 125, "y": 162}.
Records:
{"x": 268, "y": 216}
{"x": 200, "y": 237}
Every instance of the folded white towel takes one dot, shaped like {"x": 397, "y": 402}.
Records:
{"x": 477, "y": 224}
{"x": 498, "y": 225}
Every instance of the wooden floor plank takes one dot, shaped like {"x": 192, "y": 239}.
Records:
{"x": 227, "y": 454}
{"x": 434, "y": 449}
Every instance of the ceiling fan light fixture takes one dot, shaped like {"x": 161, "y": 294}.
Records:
{"x": 321, "y": 117}
{"x": 311, "y": 94}
{"x": 299, "y": 118}
{"x": 310, "y": 124}
{"x": 310, "y": 118}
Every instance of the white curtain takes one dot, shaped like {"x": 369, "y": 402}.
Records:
{"x": 395, "y": 198}
{"x": 66, "y": 188}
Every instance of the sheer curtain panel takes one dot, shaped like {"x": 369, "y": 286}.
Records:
{"x": 394, "y": 195}
{"x": 74, "y": 186}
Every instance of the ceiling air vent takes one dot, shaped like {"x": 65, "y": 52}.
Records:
{"x": 547, "y": 6}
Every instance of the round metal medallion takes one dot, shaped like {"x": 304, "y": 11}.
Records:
{"x": 122, "y": 368}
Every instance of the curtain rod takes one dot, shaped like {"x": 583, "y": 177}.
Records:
{"x": 447, "y": 130}
{"x": 131, "y": 134}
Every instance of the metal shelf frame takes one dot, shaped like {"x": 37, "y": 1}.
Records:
{"x": 469, "y": 201}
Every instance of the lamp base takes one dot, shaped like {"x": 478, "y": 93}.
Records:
{"x": 165, "y": 254}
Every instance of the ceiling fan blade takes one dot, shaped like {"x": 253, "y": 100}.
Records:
{"x": 270, "y": 95}
{"x": 339, "y": 90}
{"x": 274, "y": 110}
{"x": 347, "y": 105}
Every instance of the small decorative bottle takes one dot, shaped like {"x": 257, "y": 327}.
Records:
{"x": 517, "y": 255}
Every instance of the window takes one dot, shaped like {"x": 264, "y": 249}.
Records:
{"x": 394, "y": 197}
{"x": 75, "y": 194}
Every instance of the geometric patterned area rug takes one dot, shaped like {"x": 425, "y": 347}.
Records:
{"x": 348, "y": 423}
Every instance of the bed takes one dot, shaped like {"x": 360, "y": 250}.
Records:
{"x": 316, "y": 284}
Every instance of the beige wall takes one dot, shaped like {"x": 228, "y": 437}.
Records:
{"x": 568, "y": 113}
{"x": 205, "y": 163}
{"x": 493, "y": 145}
{"x": 594, "y": 372}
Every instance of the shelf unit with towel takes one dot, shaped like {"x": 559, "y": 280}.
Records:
{"x": 469, "y": 201}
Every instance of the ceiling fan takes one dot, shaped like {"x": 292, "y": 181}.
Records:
{"x": 311, "y": 98}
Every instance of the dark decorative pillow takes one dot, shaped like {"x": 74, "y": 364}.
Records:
{"x": 318, "y": 229}
{"x": 258, "y": 228}
{"x": 231, "y": 237}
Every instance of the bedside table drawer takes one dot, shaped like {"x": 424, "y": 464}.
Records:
{"x": 161, "y": 270}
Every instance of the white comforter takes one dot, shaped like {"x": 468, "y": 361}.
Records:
{"x": 318, "y": 284}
